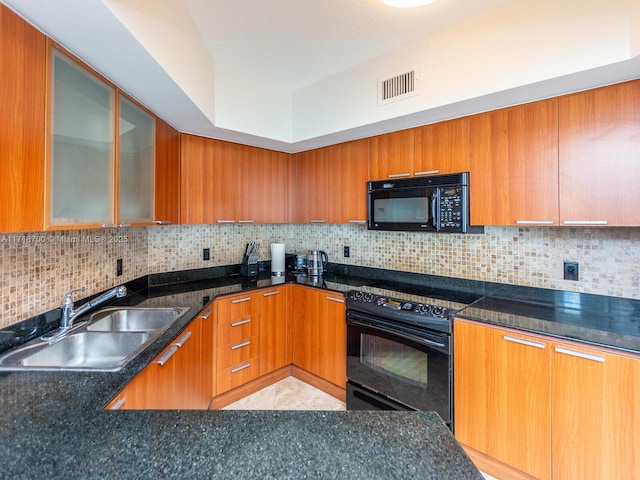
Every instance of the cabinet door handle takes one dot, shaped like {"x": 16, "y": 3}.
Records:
{"x": 241, "y": 322}
{"x": 183, "y": 339}
{"x": 165, "y": 358}
{"x": 246, "y": 221}
{"x": 206, "y": 314}
{"x": 317, "y": 221}
{"x": 240, "y": 300}
{"x": 534, "y": 222}
{"x": 398, "y": 175}
{"x": 118, "y": 405}
{"x": 268, "y": 294}
{"x": 334, "y": 299}
{"x": 225, "y": 221}
{"x": 123, "y": 225}
{"x": 108, "y": 225}
{"x": 428, "y": 172}
{"x": 585, "y": 222}
{"x": 573, "y": 353}
{"x": 163, "y": 222}
{"x": 240, "y": 345}
{"x": 522, "y": 341}
{"x": 358, "y": 222}
{"x": 240, "y": 367}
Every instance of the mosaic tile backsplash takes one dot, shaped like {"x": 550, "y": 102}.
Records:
{"x": 37, "y": 269}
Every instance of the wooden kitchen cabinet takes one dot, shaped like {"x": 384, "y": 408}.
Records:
{"x": 391, "y": 155}
{"x": 502, "y": 400}
{"x": 238, "y": 340}
{"x": 275, "y": 334}
{"x": 261, "y": 186}
{"x": 441, "y": 148}
{"x": 23, "y": 51}
{"x": 348, "y": 174}
{"x": 167, "y": 177}
{"x": 514, "y": 165}
{"x": 600, "y": 156}
{"x": 319, "y": 333}
{"x": 207, "y": 180}
{"x": 595, "y": 415}
{"x": 309, "y": 187}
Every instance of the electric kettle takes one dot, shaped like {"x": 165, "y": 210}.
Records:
{"x": 317, "y": 261}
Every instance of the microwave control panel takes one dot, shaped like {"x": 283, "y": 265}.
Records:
{"x": 451, "y": 208}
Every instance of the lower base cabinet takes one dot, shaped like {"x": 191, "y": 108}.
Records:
{"x": 546, "y": 408}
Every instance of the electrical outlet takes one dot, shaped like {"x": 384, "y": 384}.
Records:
{"x": 118, "y": 267}
{"x": 571, "y": 271}
{"x": 347, "y": 251}
{"x": 206, "y": 254}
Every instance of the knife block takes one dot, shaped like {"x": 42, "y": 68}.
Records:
{"x": 248, "y": 269}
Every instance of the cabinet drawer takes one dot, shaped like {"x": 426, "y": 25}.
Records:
{"x": 235, "y": 353}
{"x": 236, "y": 375}
{"x": 237, "y": 307}
{"x": 238, "y": 330}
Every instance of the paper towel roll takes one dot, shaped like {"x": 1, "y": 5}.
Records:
{"x": 277, "y": 259}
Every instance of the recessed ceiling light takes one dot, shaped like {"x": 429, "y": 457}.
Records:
{"x": 406, "y": 3}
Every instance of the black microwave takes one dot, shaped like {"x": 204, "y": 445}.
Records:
{"x": 438, "y": 203}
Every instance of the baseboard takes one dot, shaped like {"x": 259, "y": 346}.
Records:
{"x": 248, "y": 388}
{"x": 320, "y": 383}
{"x": 494, "y": 467}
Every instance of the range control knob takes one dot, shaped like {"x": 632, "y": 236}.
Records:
{"x": 438, "y": 311}
{"x": 381, "y": 301}
{"x": 424, "y": 309}
{"x": 368, "y": 297}
{"x": 357, "y": 295}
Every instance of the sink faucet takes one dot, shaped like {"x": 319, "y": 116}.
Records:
{"x": 69, "y": 314}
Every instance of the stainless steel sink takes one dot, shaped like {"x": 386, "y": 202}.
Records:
{"x": 109, "y": 340}
{"x": 133, "y": 319}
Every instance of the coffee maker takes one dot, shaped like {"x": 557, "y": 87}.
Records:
{"x": 317, "y": 261}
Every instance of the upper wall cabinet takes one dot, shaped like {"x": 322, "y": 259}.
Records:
{"x": 135, "y": 163}
{"x": 167, "y": 177}
{"x": 600, "y": 156}
{"x": 392, "y": 155}
{"x": 81, "y": 146}
{"x": 514, "y": 165}
{"x": 441, "y": 148}
{"x": 23, "y": 52}
{"x": 348, "y": 173}
{"x": 207, "y": 180}
{"x": 309, "y": 187}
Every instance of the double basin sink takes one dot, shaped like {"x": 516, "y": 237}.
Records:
{"x": 107, "y": 341}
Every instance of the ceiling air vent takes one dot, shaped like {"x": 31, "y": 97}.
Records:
{"x": 397, "y": 87}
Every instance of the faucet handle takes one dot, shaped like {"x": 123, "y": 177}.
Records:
{"x": 68, "y": 297}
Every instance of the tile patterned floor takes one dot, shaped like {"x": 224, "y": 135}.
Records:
{"x": 288, "y": 394}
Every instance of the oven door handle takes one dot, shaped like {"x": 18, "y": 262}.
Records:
{"x": 414, "y": 338}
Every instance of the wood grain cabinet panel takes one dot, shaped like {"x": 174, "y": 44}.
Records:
{"x": 275, "y": 333}
{"x": 23, "y": 51}
{"x": 309, "y": 187}
{"x": 167, "y": 175}
{"x": 514, "y": 165}
{"x": 392, "y": 155}
{"x": 207, "y": 180}
{"x": 441, "y": 148}
{"x": 348, "y": 174}
{"x": 600, "y": 156}
{"x": 502, "y": 398}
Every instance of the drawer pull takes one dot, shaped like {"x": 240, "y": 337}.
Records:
{"x": 585, "y": 222}
{"x": 240, "y": 300}
{"x": 183, "y": 339}
{"x": 268, "y": 294}
{"x": 206, "y": 314}
{"x": 586, "y": 356}
{"x": 398, "y": 175}
{"x": 241, "y": 322}
{"x": 118, "y": 405}
{"x": 165, "y": 358}
{"x": 534, "y": 222}
{"x": 225, "y": 221}
{"x": 240, "y": 367}
{"x": 524, "y": 342}
{"x": 317, "y": 221}
{"x": 246, "y": 221}
{"x": 240, "y": 345}
{"x": 334, "y": 299}
{"x": 358, "y": 222}
{"x": 428, "y": 172}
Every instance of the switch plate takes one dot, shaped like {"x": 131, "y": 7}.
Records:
{"x": 206, "y": 254}
{"x": 347, "y": 251}
{"x": 118, "y": 267}
{"x": 571, "y": 271}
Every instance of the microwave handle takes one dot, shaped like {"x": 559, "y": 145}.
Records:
{"x": 435, "y": 209}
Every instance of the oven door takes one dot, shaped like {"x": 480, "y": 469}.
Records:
{"x": 404, "y": 364}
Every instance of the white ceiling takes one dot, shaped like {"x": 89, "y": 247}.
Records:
{"x": 293, "y": 43}
{"x": 180, "y": 58}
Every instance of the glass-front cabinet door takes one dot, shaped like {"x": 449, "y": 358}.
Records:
{"x": 135, "y": 164}
{"x": 81, "y": 146}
